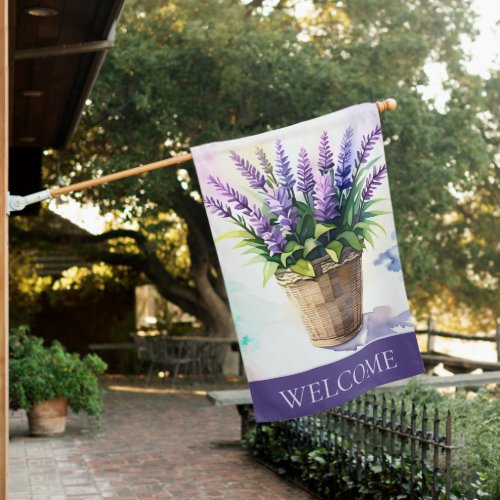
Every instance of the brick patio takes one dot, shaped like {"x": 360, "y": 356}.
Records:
{"x": 159, "y": 444}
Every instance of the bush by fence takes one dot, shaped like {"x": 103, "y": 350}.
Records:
{"x": 375, "y": 448}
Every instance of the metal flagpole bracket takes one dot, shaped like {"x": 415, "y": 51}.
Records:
{"x": 16, "y": 203}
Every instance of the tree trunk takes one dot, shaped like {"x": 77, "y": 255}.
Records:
{"x": 221, "y": 322}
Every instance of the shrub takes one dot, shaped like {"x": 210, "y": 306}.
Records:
{"x": 475, "y": 464}
{"x": 38, "y": 373}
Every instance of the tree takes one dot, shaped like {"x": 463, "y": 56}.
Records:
{"x": 190, "y": 72}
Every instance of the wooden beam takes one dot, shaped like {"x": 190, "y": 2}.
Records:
{"x": 63, "y": 50}
{"x": 4, "y": 248}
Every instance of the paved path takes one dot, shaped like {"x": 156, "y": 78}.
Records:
{"x": 149, "y": 446}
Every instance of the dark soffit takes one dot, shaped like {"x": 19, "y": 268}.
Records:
{"x": 59, "y": 57}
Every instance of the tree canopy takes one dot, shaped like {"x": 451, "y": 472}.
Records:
{"x": 187, "y": 72}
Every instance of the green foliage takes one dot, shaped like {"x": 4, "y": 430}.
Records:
{"x": 38, "y": 373}
{"x": 190, "y": 72}
{"x": 475, "y": 434}
{"x": 475, "y": 464}
{"x": 333, "y": 473}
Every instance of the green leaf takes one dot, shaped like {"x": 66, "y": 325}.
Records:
{"x": 305, "y": 227}
{"x": 303, "y": 207}
{"x": 368, "y": 224}
{"x": 251, "y": 243}
{"x": 322, "y": 228}
{"x": 370, "y": 203}
{"x": 365, "y": 233}
{"x": 303, "y": 267}
{"x": 375, "y": 213}
{"x": 269, "y": 269}
{"x": 334, "y": 250}
{"x": 239, "y": 233}
{"x": 351, "y": 238}
{"x": 309, "y": 245}
{"x": 354, "y": 199}
{"x": 350, "y": 216}
{"x": 257, "y": 259}
{"x": 256, "y": 250}
{"x": 290, "y": 248}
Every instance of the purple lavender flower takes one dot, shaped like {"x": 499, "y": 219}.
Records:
{"x": 239, "y": 200}
{"x": 260, "y": 222}
{"x": 372, "y": 181}
{"x": 325, "y": 162}
{"x": 280, "y": 203}
{"x": 275, "y": 240}
{"x": 326, "y": 205}
{"x": 283, "y": 169}
{"x": 272, "y": 235}
{"x": 305, "y": 177}
{"x": 217, "y": 207}
{"x": 368, "y": 143}
{"x": 264, "y": 162}
{"x": 255, "y": 178}
{"x": 343, "y": 174}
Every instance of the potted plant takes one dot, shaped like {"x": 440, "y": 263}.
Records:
{"x": 308, "y": 225}
{"x": 45, "y": 380}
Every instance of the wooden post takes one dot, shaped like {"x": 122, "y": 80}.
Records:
{"x": 431, "y": 326}
{"x": 498, "y": 341}
{"x": 4, "y": 247}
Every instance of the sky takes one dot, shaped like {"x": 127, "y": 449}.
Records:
{"x": 483, "y": 51}
{"x": 486, "y": 47}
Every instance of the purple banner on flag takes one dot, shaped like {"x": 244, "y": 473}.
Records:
{"x": 321, "y": 388}
{"x": 303, "y": 225}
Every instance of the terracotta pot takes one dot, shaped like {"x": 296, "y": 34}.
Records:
{"x": 330, "y": 304}
{"x": 48, "y": 418}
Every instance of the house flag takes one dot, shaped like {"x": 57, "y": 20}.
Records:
{"x": 303, "y": 224}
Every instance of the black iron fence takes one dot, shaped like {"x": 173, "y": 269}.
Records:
{"x": 370, "y": 448}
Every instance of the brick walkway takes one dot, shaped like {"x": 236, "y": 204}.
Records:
{"x": 150, "y": 445}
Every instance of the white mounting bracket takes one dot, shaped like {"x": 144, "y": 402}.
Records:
{"x": 16, "y": 203}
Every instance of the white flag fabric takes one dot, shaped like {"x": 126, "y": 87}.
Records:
{"x": 303, "y": 225}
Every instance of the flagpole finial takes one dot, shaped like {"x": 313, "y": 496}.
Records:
{"x": 387, "y": 105}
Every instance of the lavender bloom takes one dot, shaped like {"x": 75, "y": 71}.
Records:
{"x": 260, "y": 222}
{"x": 280, "y": 203}
{"x": 239, "y": 200}
{"x": 305, "y": 177}
{"x": 265, "y": 163}
{"x": 325, "y": 162}
{"x": 217, "y": 207}
{"x": 326, "y": 205}
{"x": 256, "y": 179}
{"x": 368, "y": 143}
{"x": 272, "y": 235}
{"x": 343, "y": 174}
{"x": 372, "y": 181}
{"x": 283, "y": 169}
{"x": 274, "y": 240}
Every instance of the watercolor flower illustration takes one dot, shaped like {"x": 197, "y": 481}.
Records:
{"x": 298, "y": 215}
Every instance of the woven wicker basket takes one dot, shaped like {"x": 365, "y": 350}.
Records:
{"x": 330, "y": 304}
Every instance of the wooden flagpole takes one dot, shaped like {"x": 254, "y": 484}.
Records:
{"x": 387, "y": 105}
